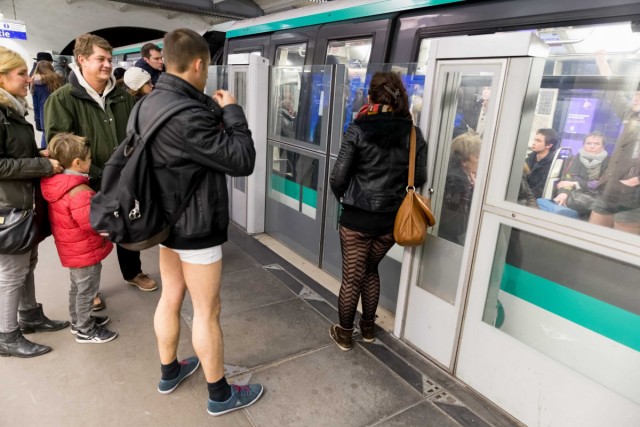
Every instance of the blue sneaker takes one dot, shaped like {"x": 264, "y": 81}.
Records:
{"x": 241, "y": 397}
{"x": 187, "y": 367}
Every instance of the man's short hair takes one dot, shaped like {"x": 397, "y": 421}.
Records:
{"x": 181, "y": 47}
{"x": 147, "y": 48}
{"x": 84, "y": 45}
{"x": 66, "y": 147}
{"x": 551, "y": 137}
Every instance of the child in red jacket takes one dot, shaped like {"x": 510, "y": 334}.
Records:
{"x": 80, "y": 248}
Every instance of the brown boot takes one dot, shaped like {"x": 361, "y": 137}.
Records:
{"x": 367, "y": 328}
{"x": 342, "y": 337}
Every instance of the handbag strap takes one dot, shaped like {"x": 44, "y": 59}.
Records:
{"x": 412, "y": 157}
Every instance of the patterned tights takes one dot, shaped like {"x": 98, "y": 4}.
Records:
{"x": 361, "y": 254}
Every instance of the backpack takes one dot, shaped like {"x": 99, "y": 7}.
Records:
{"x": 127, "y": 208}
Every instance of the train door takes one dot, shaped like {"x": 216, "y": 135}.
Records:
{"x": 465, "y": 97}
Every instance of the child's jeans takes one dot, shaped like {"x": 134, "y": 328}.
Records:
{"x": 85, "y": 282}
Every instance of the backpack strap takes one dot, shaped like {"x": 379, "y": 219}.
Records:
{"x": 154, "y": 124}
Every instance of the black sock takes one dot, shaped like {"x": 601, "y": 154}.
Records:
{"x": 220, "y": 391}
{"x": 170, "y": 371}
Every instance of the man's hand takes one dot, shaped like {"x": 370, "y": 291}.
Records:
{"x": 223, "y": 98}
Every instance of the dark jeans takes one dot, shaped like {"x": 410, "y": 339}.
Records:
{"x": 129, "y": 261}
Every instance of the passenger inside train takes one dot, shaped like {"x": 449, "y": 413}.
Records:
{"x": 580, "y": 183}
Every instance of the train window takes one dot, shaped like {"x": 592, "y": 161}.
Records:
{"x": 355, "y": 55}
{"x": 291, "y": 55}
{"x": 299, "y": 103}
{"x": 583, "y": 144}
{"x": 578, "y": 307}
{"x": 294, "y": 180}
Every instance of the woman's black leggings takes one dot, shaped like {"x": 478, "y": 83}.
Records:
{"x": 361, "y": 254}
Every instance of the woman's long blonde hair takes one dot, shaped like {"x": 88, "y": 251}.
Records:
{"x": 10, "y": 60}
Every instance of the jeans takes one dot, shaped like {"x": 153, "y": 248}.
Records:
{"x": 129, "y": 261}
{"x": 85, "y": 282}
{"x": 17, "y": 287}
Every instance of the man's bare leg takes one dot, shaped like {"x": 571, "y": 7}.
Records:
{"x": 167, "y": 318}
{"x": 203, "y": 282}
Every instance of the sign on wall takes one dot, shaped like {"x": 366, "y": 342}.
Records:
{"x": 11, "y": 29}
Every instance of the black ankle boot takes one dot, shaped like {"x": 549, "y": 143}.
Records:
{"x": 367, "y": 328}
{"x": 34, "y": 320}
{"x": 14, "y": 344}
{"x": 342, "y": 337}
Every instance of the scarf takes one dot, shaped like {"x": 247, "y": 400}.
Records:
{"x": 19, "y": 104}
{"x": 592, "y": 162}
{"x": 372, "y": 109}
{"x": 111, "y": 84}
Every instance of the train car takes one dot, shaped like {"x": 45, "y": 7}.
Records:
{"x": 523, "y": 293}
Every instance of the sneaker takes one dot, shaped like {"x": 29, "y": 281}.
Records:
{"x": 144, "y": 282}
{"x": 187, "y": 367}
{"x": 100, "y": 321}
{"x": 241, "y": 397}
{"x": 97, "y": 335}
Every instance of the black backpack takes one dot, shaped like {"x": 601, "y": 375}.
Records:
{"x": 127, "y": 208}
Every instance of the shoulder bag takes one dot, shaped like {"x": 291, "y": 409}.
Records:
{"x": 17, "y": 230}
{"x": 414, "y": 214}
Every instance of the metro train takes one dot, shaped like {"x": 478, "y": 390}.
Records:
{"x": 543, "y": 279}
{"x": 515, "y": 286}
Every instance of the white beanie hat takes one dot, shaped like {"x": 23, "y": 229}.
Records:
{"x": 136, "y": 77}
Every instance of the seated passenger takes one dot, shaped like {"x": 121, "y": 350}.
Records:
{"x": 578, "y": 190}
{"x": 618, "y": 205}
{"x": 458, "y": 190}
{"x": 539, "y": 161}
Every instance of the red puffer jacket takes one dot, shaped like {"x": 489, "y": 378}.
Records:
{"x": 69, "y": 198}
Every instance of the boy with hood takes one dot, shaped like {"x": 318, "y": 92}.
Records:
{"x": 80, "y": 247}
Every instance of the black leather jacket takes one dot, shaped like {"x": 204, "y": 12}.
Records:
{"x": 372, "y": 168}
{"x": 197, "y": 147}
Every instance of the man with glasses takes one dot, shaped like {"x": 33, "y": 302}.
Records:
{"x": 151, "y": 61}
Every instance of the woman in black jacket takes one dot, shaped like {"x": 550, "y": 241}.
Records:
{"x": 20, "y": 170}
{"x": 370, "y": 178}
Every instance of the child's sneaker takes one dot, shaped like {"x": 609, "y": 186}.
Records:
{"x": 97, "y": 335}
{"x": 241, "y": 397}
{"x": 100, "y": 321}
{"x": 187, "y": 367}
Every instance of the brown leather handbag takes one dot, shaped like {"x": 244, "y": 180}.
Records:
{"x": 414, "y": 215}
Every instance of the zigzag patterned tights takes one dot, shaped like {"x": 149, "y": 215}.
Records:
{"x": 361, "y": 254}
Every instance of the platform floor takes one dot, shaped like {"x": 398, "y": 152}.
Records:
{"x": 275, "y": 321}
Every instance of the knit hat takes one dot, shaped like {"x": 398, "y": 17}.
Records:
{"x": 136, "y": 77}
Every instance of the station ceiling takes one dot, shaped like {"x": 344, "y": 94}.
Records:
{"x": 226, "y": 9}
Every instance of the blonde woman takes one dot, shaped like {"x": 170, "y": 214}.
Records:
{"x": 21, "y": 167}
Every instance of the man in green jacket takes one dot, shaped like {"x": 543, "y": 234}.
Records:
{"x": 91, "y": 105}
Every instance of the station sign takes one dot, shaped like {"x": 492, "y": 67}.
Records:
{"x": 12, "y": 29}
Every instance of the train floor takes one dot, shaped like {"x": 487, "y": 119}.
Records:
{"x": 275, "y": 320}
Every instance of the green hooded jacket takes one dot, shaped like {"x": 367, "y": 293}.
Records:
{"x": 72, "y": 109}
